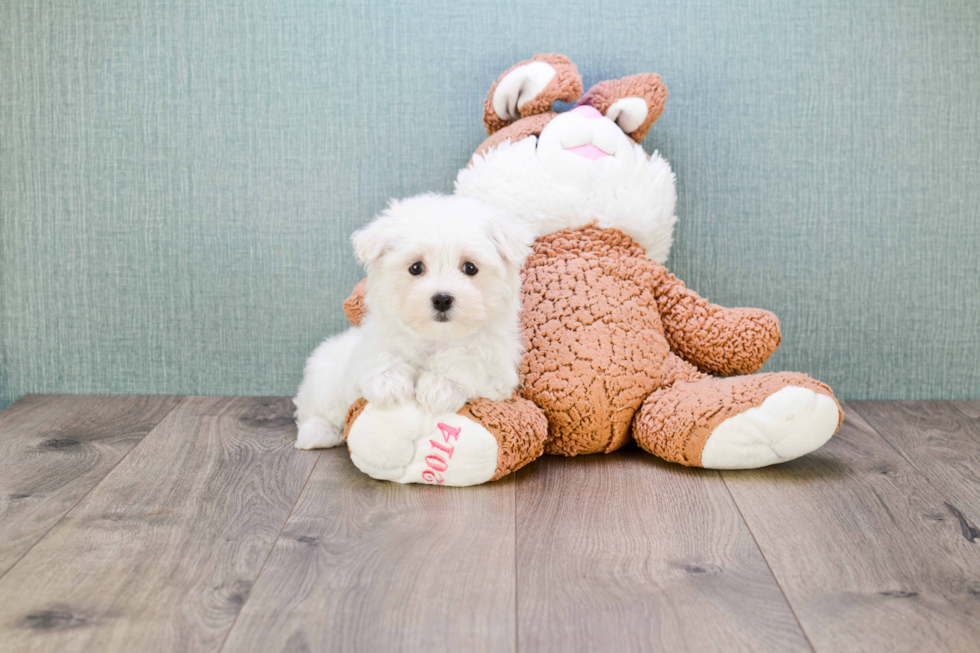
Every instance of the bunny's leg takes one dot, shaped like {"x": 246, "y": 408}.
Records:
{"x": 741, "y": 422}
{"x": 482, "y": 442}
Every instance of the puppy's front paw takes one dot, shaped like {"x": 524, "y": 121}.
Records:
{"x": 389, "y": 388}
{"x": 316, "y": 433}
{"x": 438, "y": 394}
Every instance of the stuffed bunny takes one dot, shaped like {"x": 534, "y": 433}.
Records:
{"x": 617, "y": 348}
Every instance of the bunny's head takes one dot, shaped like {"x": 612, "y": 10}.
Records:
{"x": 582, "y": 166}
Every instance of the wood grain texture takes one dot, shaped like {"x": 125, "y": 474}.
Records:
{"x": 210, "y": 532}
{"x": 968, "y": 408}
{"x": 628, "y": 553}
{"x": 162, "y": 553}
{"x": 54, "y": 449}
{"x": 364, "y": 565}
{"x": 868, "y": 553}
{"x": 937, "y": 439}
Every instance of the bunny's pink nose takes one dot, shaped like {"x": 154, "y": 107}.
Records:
{"x": 588, "y": 151}
{"x": 587, "y": 112}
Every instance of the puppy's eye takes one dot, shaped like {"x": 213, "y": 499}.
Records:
{"x": 416, "y": 268}
{"x": 469, "y": 269}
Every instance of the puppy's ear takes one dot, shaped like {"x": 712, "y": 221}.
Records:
{"x": 372, "y": 241}
{"x": 511, "y": 239}
{"x": 529, "y": 88}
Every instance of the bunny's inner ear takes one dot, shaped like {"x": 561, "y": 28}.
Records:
{"x": 634, "y": 103}
{"x": 530, "y": 88}
{"x": 629, "y": 113}
{"x": 518, "y": 86}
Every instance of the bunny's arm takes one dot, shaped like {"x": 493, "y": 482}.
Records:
{"x": 720, "y": 341}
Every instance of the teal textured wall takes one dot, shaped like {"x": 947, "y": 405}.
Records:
{"x": 179, "y": 178}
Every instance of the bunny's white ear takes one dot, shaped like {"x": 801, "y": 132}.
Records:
{"x": 628, "y": 112}
{"x": 634, "y": 103}
{"x": 529, "y": 88}
{"x": 518, "y": 86}
{"x": 371, "y": 241}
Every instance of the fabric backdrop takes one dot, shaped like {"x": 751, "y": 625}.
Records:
{"x": 179, "y": 178}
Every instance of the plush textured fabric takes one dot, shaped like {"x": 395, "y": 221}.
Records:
{"x": 566, "y": 86}
{"x": 675, "y": 421}
{"x": 513, "y": 132}
{"x": 593, "y": 335}
{"x": 354, "y": 307}
{"x": 358, "y": 406}
{"x": 519, "y": 426}
{"x": 648, "y": 86}
{"x": 678, "y": 370}
{"x": 730, "y": 340}
{"x": 179, "y": 180}
{"x": 594, "y": 316}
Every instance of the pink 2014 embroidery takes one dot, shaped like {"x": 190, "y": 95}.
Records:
{"x": 435, "y": 461}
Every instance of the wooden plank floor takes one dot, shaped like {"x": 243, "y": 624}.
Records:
{"x": 191, "y": 524}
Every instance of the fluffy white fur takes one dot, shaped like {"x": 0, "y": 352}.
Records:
{"x": 405, "y": 349}
{"x": 549, "y": 194}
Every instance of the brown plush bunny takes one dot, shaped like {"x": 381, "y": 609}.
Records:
{"x": 616, "y": 346}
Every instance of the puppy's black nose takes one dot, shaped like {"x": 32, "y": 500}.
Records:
{"x": 442, "y": 302}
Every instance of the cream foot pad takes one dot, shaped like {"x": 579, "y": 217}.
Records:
{"x": 790, "y": 423}
{"x": 407, "y": 445}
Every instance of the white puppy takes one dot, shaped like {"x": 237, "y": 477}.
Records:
{"x": 443, "y": 296}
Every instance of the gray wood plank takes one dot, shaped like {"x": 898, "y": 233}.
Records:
{"x": 866, "y": 550}
{"x": 968, "y": 408}
{"x": 54, "y": 449}
{"x": 939, "y": 441}
{"x": 628, "y": 553}
{"x": 162, "y": 553}
{"x": 365, "y": 565}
